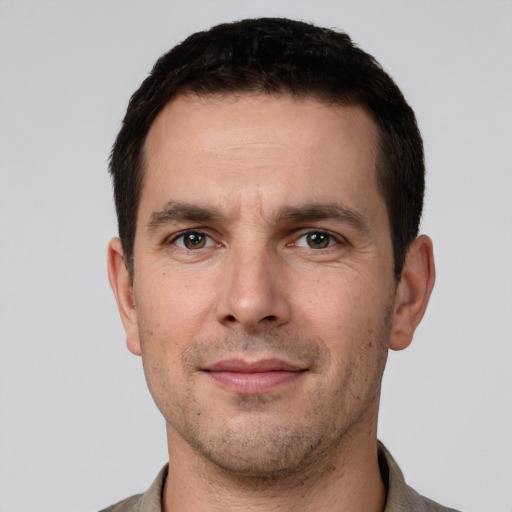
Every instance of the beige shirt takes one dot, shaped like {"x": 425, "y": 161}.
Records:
{"x": 400, "y": 497}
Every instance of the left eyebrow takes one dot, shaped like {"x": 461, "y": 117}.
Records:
{"x": 325, "y": 211}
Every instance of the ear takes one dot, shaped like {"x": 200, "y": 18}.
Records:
{"x": 121, "y": 283}
{"x": 413, "y": 293}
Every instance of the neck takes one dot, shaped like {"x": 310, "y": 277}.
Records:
{"x": 346, "y": 478}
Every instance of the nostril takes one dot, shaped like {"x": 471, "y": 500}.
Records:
{"x": 266, "y": 319}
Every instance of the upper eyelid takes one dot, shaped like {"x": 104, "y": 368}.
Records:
{"x": 170, "y": 239}
{"x": 174, "y": 241}
{"x": 295, "y": 235}
{"x": 306, "y": 231}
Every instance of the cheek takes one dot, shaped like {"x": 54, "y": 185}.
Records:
{"x": 164, "y": 332}
{"x": 339, "y": 301}
{"x": 349, "y": 314}
{"x": 171, "y": 307}
{"x": 171, "y": 312}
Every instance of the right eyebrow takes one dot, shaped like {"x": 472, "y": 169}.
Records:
{"x": 174, "y": 211}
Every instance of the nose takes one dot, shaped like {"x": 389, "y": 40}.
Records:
{"x": 253, "y": 295}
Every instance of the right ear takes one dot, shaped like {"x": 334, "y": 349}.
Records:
{"x": 122, "y": 286}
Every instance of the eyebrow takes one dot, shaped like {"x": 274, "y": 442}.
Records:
{"x": 325, "y": 211}
{"x": 174, "y": 211}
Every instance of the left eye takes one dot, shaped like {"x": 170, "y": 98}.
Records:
{"x": 193, "y": 240}
{"x": 316, "y": 240}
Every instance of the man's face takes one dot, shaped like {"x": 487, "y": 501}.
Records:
{"x": 263, "y": 283}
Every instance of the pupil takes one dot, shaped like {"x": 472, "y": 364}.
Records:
{"x": 194, "y": 240}
{"x": 318, "y": 240}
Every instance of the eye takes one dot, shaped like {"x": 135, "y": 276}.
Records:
{"x": 191, "y": 240}
{"x": 316, "y": 240}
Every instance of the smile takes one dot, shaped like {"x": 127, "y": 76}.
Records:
{"x": 257, "y": 377}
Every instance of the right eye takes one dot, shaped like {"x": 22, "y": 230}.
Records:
{"x": 192, "y": 240}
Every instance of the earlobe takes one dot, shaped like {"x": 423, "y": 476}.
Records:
{"x": 413, "y": 293}
{"x": 121, "y": 284}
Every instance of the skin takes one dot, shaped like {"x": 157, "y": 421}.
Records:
{"x": 261, "y": 236}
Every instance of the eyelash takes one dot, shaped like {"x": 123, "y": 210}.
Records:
{"x": 189, "y": 232}
{"x": 333, "y": 239}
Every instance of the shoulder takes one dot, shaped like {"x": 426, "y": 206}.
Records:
{"x": 131, "y": 504}
{"x": 150, "y": 501}
{"x": 419, "y": 503}
{"x": 401, "y": 497}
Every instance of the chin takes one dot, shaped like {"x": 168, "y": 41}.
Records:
{"x": 262, "y": 449}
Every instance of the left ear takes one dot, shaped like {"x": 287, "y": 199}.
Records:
{"x": 413, "y": 293}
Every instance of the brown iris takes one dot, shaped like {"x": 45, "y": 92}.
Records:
{"x": 194, "y": 240}
{"x": 317, "y": 240}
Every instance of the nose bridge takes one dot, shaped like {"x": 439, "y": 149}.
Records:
{"x": 252, "y": 294}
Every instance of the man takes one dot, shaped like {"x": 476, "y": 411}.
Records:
{"x": 269, "y": 183}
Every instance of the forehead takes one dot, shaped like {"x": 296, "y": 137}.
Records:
{"x": 235, "y": 146}
{"x": 257, "y": 115}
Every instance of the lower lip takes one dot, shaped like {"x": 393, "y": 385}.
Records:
{"x": 253, "y": 383}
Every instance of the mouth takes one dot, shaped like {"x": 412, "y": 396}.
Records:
{"x": 253, "y": 377}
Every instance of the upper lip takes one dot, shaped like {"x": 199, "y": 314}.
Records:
{"x": 259, "y": 366}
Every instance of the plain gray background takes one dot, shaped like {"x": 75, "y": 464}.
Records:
{"x": 78, "y": 429}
